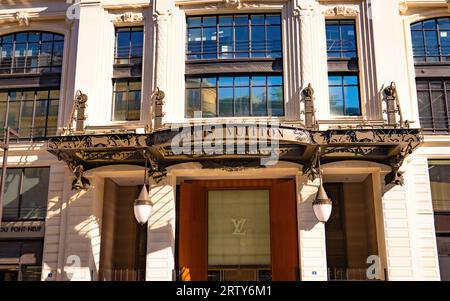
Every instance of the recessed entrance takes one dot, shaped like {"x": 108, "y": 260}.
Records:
{"x": 238, "y": 230}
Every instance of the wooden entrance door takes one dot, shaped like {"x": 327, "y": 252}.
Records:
{"x": 193, "y": 226}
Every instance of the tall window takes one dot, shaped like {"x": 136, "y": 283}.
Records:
{"x": 30, "y": 76}
{"x": 343, "y": 76}
{"x": 440, "y": 193}
{"x": 26, "y": 193}
{"x": 431, "y": 48}
{"x": 234, "y": 66}
{"x": 127, "y": 99}
{"x": 127, "y": 74}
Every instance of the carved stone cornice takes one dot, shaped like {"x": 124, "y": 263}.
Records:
{"x": 230, "y": 4}
{"x": 342, "y": 10}
{"x": 129, "y": 17}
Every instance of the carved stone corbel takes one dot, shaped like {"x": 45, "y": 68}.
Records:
{"x": 232, "y": 3}
{"x": 22, "y": 17}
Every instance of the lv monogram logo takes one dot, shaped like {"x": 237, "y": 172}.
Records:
{"x": 239, "y": 226}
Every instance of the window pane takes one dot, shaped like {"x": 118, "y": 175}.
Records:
{"x": 432, "y": 45}
{"x": 258, "y": 40}
{"x": 52, "y": 119}
{"x": 225, "y": 41}
{"x": 274, "y": 38}
{"x": 210, "y": 43}
{"x": 440, "y": 185}
{"x": 242, "y": 81}
{"x": 350, "y": 80}
{"x": 209, "y": 102}
{"x": 40, "y": 118}
{"x": 276, "y": 100}
{"x": 424, "y": 103}
{"x": 123, "y": 43}
{"x": 226, "y": 81}
{"x": 242, "y": 101}
{"x": 351, "y": 96}
{"x": 209, "y": 21}
{"x": 209, "y": 82}
{"x": 336, "y": 101}
{"x": 136, "y": 43}
{"x": 240, "y": 20}
{"x": 193, "y": 102}
{"x": 26, "y": 120}
{"x": 258, "y": 81}
{"x": 194, "y": 21}
{"x": 225, "y": 20}
{"x": 2, "y": 114}
{"x": 11, "y": 198}
{"x": 225, "y": 102}
{"x": 14, "y": 115}
{"x": 134, "y": 105}
{"x": 418, "y": 46}
{"x": 194, "y": 40}
{"x": 192, "y": 82}
{"x": 259, "y": 101}
{"x": 274, "y": 80}
{"x": 273, "y": 20}
{"x": 439, "y": 112}
{"x": 257, "y": 19}
{"x": 334, "y": 80}
{"x": 120, "y": 105}
{"x": 34, "y": 193}
{"x": 242, "y": 41}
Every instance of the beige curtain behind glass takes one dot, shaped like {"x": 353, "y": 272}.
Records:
{"x": 238, "y": 227}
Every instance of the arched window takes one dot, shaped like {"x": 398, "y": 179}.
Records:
{"x": 30, "y": 76}
{"x": 431, "y": 40}
{"x": 31, "y": 52}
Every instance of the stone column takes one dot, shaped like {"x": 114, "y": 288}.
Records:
{"x": 161, "y": 231}
{"x": 311, "y": 233}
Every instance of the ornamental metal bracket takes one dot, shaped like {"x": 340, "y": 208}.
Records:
{"x": 78, "y": 114}
{"x": 308, "y": 100}
{"x": 156, "y": 171}
{"x": 393, "y": 108}
{"x": 80, "y": 182}
{"x": 158, "y": 103}
{"x": 311, "y": 167}
{"x": 395, "y": 177}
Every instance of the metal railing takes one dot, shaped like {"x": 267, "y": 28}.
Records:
{"x": 350, "y": 274}
{"x": 122, "y": 274}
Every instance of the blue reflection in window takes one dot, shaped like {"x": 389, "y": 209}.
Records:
{"x": 344, "y": 95}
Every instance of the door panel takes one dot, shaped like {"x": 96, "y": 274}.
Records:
{"x": 193, "y": 233}
{"x": 283, "y": 231}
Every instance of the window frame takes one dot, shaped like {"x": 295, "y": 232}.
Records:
{"x": 127, "y": 80}
{"x": 437, "y": 31}
{"x": 233, "y": 86}
{"x": 345, "y": 66}
{"x": 56, "y": 38}
{"x": 35, "y": 101}
{"x": 131, "y": 60}
{"x": 234, "y": 26}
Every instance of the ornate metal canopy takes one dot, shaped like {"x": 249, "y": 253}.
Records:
{"x": 234, "y": 147}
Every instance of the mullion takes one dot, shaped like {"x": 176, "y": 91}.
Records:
{"x": 444, "y": 86}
